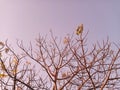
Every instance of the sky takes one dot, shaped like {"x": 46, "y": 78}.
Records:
{"x": 26, "y": 19}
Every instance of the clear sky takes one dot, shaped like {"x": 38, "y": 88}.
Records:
{"x": 25, "y": 19}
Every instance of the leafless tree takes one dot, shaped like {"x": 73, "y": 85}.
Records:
{"x": 66, "y": 64}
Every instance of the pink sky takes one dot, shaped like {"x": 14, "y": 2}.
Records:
{"x": 25, "y": 19}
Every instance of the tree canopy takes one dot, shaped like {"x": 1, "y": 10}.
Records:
{"x": 54, "y": 64}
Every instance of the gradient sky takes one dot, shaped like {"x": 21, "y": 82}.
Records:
{"x": 25, "y": 19}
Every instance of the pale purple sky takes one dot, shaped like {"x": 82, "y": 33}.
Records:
{"x": 25, "y": 19}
